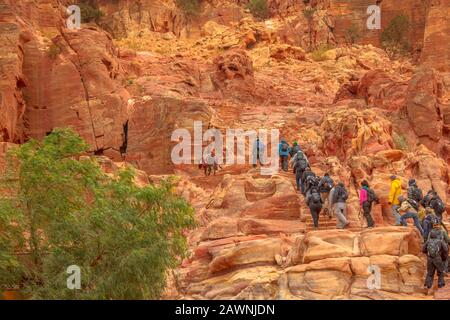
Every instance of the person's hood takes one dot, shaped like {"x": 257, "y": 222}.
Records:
{"x": 412, "y": 182}
{"x": 340, "y": 184}
{"x": 366, "y": 188}
{"x": 300, "y": 154}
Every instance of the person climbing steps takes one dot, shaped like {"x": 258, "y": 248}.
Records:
{"x": 394, "y": 192}
{"x": 366, "y": 198}
{"x": 314, "y": 202}
{"x": 436, "y": 250}
{"x": 338, "y": 199}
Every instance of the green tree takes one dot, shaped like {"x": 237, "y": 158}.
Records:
{"x": 308, "y": 13}
{"x": 123, "y": 237}
{"x": 190, "y": 7}
{"x": 395, "y": 37}
{"x": 11, "y": 270}
{"x": 352, "y": 33}
{"x": 90, "y": 12}
{"x": 259, "y": 8}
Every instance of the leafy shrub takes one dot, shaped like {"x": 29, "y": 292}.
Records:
{"x": 400, "y": 141}
{"x": 53, "y": 51}
{"x": 259, "y": 8}
{"x": 90, "y": 12}
{"x": 320, "y": 53}
{"x": 394, "y": 37}
{"x": 124, "y": 238}
{"x": 308, "y": 13}
{"x": 353, "y": 33}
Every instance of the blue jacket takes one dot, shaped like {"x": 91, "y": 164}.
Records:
{"x": 280, "y": 151}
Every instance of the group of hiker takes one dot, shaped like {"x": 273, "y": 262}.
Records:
{"x": 210, "y": 163}
{"x": 426, "y": 211}
{"x": 323, "y": 195}
{"x": 319, "y": 192}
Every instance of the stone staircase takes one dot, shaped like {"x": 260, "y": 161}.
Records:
{"x": 325, "y": 223}
{"x": 442, "y": 293}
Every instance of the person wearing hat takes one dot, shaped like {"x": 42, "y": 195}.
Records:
{"x": 295, "y": 148}
{"x": 394, "y": 192}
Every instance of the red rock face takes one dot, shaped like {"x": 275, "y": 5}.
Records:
{"x": 64, "y": 79}
{"x": 11, "y": 78}
{"x": 233, "y": 73}
{"x": 436, "y": 51}
{"x": 121, "y": 17}
{"x": 424, "y": 90}
{"x": 345, "y": 13}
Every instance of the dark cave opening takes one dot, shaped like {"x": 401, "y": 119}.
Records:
{"x": 123, "y": 147}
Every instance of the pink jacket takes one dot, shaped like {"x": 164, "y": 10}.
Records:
{"x": 362, "y": 196}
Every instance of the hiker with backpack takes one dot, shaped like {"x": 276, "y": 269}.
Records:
{"x": 428, "y": 222}
{"x": 426, "y": 200}
{"x": 338, "y": 199}
{"x": 311, "y": 181}
{"x": 410, "y": 208}
{"x": 314, "y": 202}
{"x": 436, "y": 250}
{"x": 283, "y": 151}
{"x": 366, "y": 197}
{"x": 394, "y": 192}
{"x": 307, "y": 173}
{"x": 437, "y": 205}
{"x": 299, "y": 155}
{"x": 414, "y": 192}
{"x": 299, "y": 168}
{"x": 211, "y": 163}
{"x": 258, "y": 152}
{"x": 295, "y": 148}
{"x": 325, "y": 186}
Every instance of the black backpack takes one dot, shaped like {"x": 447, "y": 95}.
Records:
{"x": 340, "y": 193}
{"x": 315, "y": 196}
{"x": 371, "y": 196}
{"x": 302, "y": 164}
{"x": 327, "y": 184}
{"x": 438, "y": 205}
{"x": 312, "y": 181}
{"x": 416, "y": 194}
{"x": 413, "y": 203}
{"x": 434, "y": 247}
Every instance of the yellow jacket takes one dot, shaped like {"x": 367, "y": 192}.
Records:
{"x": 395, "y": 192}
